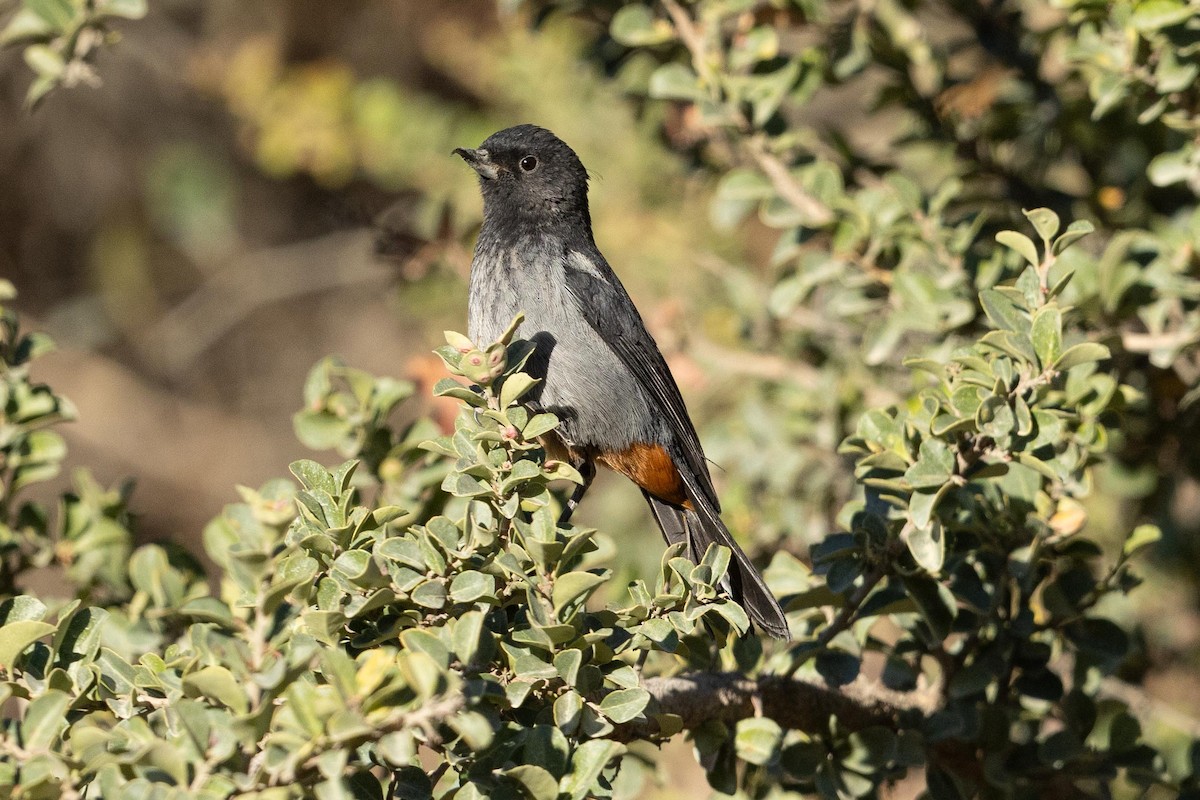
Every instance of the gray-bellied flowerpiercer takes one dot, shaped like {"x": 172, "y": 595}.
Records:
{"x": 601, "y": 372}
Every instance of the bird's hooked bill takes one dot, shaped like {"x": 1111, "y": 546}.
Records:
{"x": 480, "y": 161}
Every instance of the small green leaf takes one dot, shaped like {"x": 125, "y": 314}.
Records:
{"x": 757, "y": 740}
{"x": 927, "y": 544}
{"x": 1152, "y": 15}
{"x": 674, "y": 81}
{"x": 1047, "y": 334}
{"x": 57, "y": 13}
{"x": 127, "y": 9}
{"x": 1074, "y": 232}
{"x": 568, "y": 710}
{"x": 838, "y": 667}
{"x": 573, "y": 586}
{"x": 1045, "y": 222}
{"x": 933, "y": 467}
{"x": 535, "y": 781}
{"x": 588, "y": 762}
{"x": 217, "y": 683}
{"x": 469, "y": 586}
{"x": 1082, "y": 353}
{"x": 636, "y": 26}
{"x": 624, "y": 705}
{"x": 515, "y": 387}
{"x": 538, "y": 425}
{"x": 430, "y": 594}
{"x": 1001, "y": 310}
{"x": 1021, "y": 243}
{"x": 1141, "y": 536}
{"x": 15, "y": 637}
{"x": 44, "y": 718}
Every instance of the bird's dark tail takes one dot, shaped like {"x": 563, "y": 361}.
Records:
{"x": 702, "y": 526}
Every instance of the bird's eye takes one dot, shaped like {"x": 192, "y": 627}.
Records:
{"x": 528, "y": 164}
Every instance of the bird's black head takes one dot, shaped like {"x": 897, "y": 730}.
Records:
{"x": 527, "y": 172}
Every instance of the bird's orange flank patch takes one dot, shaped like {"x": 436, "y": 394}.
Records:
{"x": 650, "y": 467}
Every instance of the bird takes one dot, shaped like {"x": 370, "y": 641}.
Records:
{"x": 599, "y": 369}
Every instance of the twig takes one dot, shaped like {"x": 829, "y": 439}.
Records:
{"x": 815, "y": 212}
{"x": 693, "y": 40}
{"x": 846, "y": 616}
{"x": 1134, "y": 342}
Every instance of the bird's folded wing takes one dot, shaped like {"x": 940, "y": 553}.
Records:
{"x": 607, "y": 307}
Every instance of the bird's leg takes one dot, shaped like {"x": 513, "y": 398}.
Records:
{"x": 587, "y": 469}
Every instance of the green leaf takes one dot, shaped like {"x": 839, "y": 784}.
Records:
{"x": 1152, "y": 15}
{"x": 430, "y": 594}
{"x": 1021, "y": 243}
{"x": 515, "y": 387}
{"x": 568, "y": 710}
{"x": 535, "y": 781}
{"x": 838, "y": 667}
{"x": 757, "y": 740}
{"x": 448, "y": 387}
{"x": 547, "y": 746}
{"x": 44, "y": 718}
{"x": 313, "y": 476}
{"x": 25, "y": 25}
{"x": 1047, "y": 334}
{"x": 568, "y": 663}
{"x": 1074, "y": 232}
{"x": 936, "y": 602}
{"x": 21, "y": 607}
{"x": 57, "y": 13}
{"x": 624, "y": 705}
{"x": 217, "y": 683}
{"x": 1082, "y": 353}
{"x": 586, "y": 765}
{"x": 468, "y": 633}
{"x": 428, "y": 643}
{"x": 1176, "y": 166}
{"x": 674, "y": 81}
{"x": 574, "y": 586}
{"x": 1002, "y": 311}
{"x": 636, "y": 26}
{"x": 469, "y": 586}
{"x": 421, "y": 672}
{"x": 738, "y": 193}
{"x": 927, "y": 544}
{"x": 44, "y": 60}
{"x": 15, "y": 637}
{"x": 933, "y": 467}
{"x": 1141, "y": 536}
{"x": 538, "y": 425}
{"x": 1045, "y": 222}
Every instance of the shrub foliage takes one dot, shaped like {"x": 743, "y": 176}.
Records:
{"x": 414, "y": 623}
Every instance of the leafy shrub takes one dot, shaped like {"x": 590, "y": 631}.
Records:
{"x": 413, "y": 622}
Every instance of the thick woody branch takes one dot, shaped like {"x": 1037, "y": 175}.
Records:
{"x": 792, "y": 702}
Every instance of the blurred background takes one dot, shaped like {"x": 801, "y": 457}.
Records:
{"x": 254, "y": 186}
{"x": 248, "y": 187}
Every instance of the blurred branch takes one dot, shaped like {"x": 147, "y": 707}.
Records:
{"x": 256, "y": 280}
{"x": 1134, "y": 342}
{"x": 816, "y": 212}
{"x": 755, "y": 365}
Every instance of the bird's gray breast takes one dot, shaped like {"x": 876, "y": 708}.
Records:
{"x": 596, "y": 397}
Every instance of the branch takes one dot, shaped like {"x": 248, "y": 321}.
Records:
{"x": 815, "y": 212}
{"x": 792, "y": 702}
